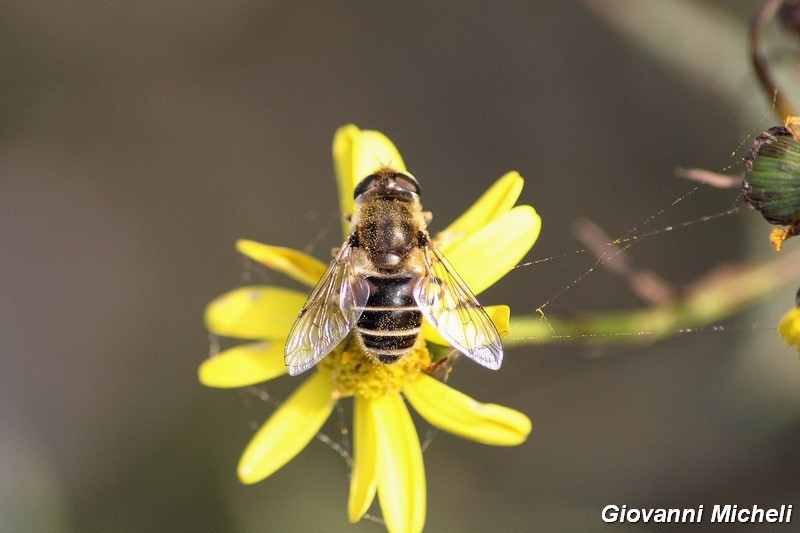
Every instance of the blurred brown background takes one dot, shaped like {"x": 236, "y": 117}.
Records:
{"x": 139, "y": 140}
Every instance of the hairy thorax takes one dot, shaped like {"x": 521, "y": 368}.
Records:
{"x": 388, "y": 231}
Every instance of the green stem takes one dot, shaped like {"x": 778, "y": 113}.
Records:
{"x": 710, "y": 300}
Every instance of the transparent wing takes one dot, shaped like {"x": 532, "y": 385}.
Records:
{"x": 449, "y": 305}
{"x": 329, "y": 314}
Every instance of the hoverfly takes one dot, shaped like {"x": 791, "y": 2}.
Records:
{"x": 384, "y": 279}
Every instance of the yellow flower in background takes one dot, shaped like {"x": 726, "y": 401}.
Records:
{"x": 789, "y": 327}
{"x": 387, "y": 458}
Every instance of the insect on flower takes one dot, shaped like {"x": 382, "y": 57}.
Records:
{"x": 384, "y": 279}
{"x": 387, "y": 277}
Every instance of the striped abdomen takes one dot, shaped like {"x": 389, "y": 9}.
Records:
{"x": 391, "y": 320}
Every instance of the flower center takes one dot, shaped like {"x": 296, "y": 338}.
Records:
{"x": 356, "y": 373}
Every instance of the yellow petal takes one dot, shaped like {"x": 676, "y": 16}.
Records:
{"x": 288, "y": 430}
{"x": 357, "y": 154}
{"x": 255, "y": 312}
{"x": 343, "y": 141}
{"x": 401, "y": 474}
{"x": 450, "y": 410}
{"x": 500, "y": 315}
{"x": 243, "y": 365}
{"x": 507, "y": 239}
{"x": 364, "y": 478}
{"x": 789, "y": 328}
{"x": 294, "y": 263}
{"x": 373, "y": 150}
{"x": 498, "y": 199}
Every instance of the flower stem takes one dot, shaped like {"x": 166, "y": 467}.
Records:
{"x": 708, "y": 301}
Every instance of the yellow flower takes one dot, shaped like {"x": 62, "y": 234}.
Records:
{"x": 387, "y": 458}
{"x": 789, "y": 327}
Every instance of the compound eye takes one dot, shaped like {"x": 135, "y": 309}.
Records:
{"x": 365, "y": 185}
{"x": 407, "y": 182}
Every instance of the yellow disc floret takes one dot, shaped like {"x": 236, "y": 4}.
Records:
{"x": 356, "y": 373}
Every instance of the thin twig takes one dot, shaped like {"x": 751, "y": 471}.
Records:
{"x": 714, "y": 179}
{"x": 646, "y": 284}
{"x": 760, "y": 61}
